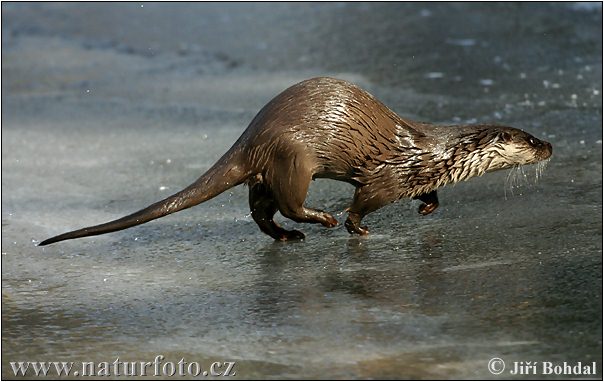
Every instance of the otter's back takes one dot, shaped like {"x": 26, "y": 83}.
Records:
{"x": 339, "y": 123}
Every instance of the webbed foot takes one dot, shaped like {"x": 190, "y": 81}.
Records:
{"x": 329, "y": 221}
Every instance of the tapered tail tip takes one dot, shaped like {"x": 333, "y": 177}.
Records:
{"x": 48, "y": 241}
{"x": 45, "y": 242}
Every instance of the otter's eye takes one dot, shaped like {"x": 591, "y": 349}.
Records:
{"x": 506, "y": 137}
{"x": 533, "y": 141}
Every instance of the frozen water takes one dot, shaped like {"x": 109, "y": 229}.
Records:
{"x": 109, "y": 107}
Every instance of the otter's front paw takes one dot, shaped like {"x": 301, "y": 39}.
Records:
{"x": 354, "y": 228}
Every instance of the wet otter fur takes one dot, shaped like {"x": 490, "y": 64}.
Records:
{"x": 330, "y": 128}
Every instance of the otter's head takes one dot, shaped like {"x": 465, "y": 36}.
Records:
{"x": 512, "y": 147}
{"x": 477, "y": 149}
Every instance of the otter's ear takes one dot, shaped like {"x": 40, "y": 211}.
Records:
{"x": 506, "y": 137}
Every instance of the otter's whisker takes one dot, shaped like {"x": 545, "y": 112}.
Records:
{"x": 511, "y": 181}
{"x": 524, "y": 176}
{"x": 540, "y": 168}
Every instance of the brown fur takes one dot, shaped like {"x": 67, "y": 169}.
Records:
{"x": 329, "y": 128}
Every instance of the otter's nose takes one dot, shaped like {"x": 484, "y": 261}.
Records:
{"x": 547, "y": 149}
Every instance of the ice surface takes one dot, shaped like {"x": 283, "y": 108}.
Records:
{"x": 107, "y": 108}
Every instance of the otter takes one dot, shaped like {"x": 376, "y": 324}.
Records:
{"x": 329, "y": 128}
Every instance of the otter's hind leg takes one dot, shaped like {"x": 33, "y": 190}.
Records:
{"x": 430, "y": 200}
{"x": 290, "y": 183}
{"x": 263, "y": 207}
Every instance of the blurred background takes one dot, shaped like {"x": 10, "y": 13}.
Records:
{"x": 108, "y": 107}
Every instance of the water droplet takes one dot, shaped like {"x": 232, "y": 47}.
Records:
{"x": 434, "y": 75}
{"x": 487, "y": 82}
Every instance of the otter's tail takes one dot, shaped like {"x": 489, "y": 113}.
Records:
{"x": 226, "y": 173}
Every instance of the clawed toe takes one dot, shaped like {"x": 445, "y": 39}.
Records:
{"x": 330, "y": 221}
{"x": 363, "y": 231}
{"x": 426, "y": 209}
